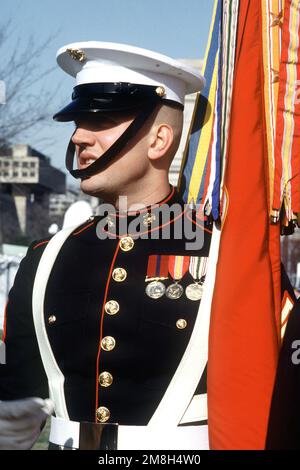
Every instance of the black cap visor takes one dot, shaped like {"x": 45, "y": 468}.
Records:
{"x": 106, "y": 98}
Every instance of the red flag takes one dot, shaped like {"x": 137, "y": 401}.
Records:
{"x": 243, "y": 345}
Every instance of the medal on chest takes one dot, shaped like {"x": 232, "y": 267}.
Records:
{"x": 157, "y": 271}
{"x": 197, "y": 269}
{"x": 177, "y": 266}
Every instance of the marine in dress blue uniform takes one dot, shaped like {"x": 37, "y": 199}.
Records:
{"x": 117, "y": 343}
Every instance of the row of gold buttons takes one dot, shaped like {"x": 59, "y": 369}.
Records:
{"x": 108, "y": 343}
{"x": 105, "y": 379}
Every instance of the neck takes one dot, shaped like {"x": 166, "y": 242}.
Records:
{"x": 141, "y": 196}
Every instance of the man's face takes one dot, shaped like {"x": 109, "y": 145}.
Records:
{"x": 93, "y": 137}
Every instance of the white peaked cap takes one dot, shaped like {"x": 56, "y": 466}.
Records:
{"x": 106, "y": 62}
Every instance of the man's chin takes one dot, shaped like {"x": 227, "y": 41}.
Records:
{"x": 91, "y": 187}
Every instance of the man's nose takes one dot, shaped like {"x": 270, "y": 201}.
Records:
{"x": 83, "y": 137}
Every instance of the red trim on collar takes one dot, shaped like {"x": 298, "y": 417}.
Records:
{"x": 146, "y": 231}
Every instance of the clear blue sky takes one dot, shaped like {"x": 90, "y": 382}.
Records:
{"x": 178, "y": 28}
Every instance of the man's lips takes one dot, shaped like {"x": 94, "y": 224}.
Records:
{"x": 85, "y": 159}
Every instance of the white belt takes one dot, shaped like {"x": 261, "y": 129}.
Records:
{"x": 66, "y": 433}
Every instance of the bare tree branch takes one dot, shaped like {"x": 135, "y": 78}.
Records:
{"x": 22, "y": 72}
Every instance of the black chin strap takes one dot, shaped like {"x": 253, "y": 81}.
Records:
{"x": 114, "y": 150}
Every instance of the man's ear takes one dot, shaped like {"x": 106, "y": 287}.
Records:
{"x": 161, "y": 140}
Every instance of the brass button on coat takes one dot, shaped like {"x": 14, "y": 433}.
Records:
{"x": 181, "y": 324}
{"x": 102, "y": 414}
{"x": 119, "y": 274}
{"x": 126, "y": 243}
{"x": 52, "y": 319}
{"x": 105, "y": 379}
{"x": 112, "y": 307}
{"x": 108, "y": 343}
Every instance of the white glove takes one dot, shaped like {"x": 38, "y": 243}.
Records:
{"x": 21, "y": 422}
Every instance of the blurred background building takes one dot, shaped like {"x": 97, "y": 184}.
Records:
{"x": 27, "y": 179}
